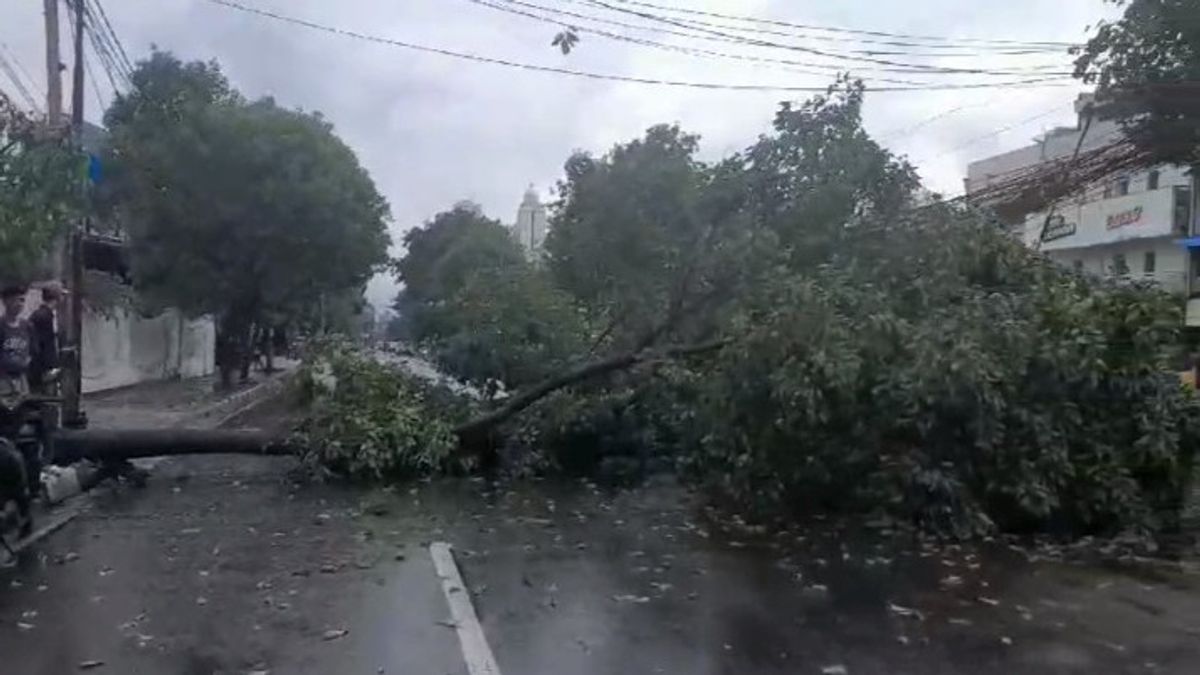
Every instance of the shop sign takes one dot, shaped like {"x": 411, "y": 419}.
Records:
{"x": 1124, "y": 218}
{"x": 1057, "y": 228}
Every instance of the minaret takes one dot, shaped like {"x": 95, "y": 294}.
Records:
{"x": 530, "y": 228}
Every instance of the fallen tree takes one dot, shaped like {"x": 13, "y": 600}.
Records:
{"x": 795, "y": 330}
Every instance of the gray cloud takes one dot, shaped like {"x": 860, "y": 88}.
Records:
{"x": 432, "y": 130}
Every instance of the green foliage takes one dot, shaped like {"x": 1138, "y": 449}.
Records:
{"x": 1143, "y": 66}
{"x": 565, "y": 40}
{"x": 443, "y": 254}
{"x": 487, "y": 314}
{"x": 40, "y": 191}
{"x": 369, "y": 421}
{"x": 508, "y": 325}
{"x": 947, "y": 375}
{"x": 820, "y": 173}
{"x": 628, "y": 221}
{"x": 241, "y": 210}
{"x": 877, "y": 356}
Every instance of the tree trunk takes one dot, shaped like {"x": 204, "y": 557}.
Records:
{"x": 232, "y": 336}
{"x": 476, "y": 434}
{"x": 225, "y": 357}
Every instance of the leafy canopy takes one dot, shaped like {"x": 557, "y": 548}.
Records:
{"x": 793, "y": 330}
{"x": 239, "y": 209}
{"x": 1145, "y": 67}
{"x": 489, "y": 315}
{"x": 40, "y": 191}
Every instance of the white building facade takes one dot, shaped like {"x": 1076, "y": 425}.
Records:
{"x": 1133, "y": 226}
{"x": 531, "y": 226}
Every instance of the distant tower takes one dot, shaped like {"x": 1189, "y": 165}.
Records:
{"x": 530, "y": 228}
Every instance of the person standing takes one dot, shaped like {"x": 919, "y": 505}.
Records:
{"x": 16, "y": 343}
{"x": 17, "y": 348}
{"x": 44, "y": 322}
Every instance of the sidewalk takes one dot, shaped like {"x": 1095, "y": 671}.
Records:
{"x": 192, "y": 402}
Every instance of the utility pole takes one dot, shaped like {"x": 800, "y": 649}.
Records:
{"x": 73, "y": 382}
{"x": 53, "y": 65}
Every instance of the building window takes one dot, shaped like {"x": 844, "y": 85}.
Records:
{"x": 1149, "y": 263}
{"x": 1122, "y": 186}
{"x": 1152, "y": 180}
{"x": 1078, "y": 265}
{"x": 1108, "y": 190}
{"x": 1182, "y": 209}
{"x": 1119, "y": 266}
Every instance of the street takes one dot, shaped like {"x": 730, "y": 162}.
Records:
{"x": 234, "y": 565}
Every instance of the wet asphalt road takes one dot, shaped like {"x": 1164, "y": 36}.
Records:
{"x": 226, "y": 565}
{"x": 220, "y": 566}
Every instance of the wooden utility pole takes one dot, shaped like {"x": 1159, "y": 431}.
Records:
{"x": 53, "y": 65}
{"x": 73, "y": 321}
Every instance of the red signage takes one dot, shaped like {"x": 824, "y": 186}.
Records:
{"x": 1124, "y": 218}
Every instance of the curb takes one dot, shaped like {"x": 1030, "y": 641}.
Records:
{"x": 63, "y": 483}
{"x": 242, "y": 401}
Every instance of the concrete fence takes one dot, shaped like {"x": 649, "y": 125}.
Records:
{"x": 123, "y": 348}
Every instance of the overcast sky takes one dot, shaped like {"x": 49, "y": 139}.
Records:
{"x": 433, "y": 130}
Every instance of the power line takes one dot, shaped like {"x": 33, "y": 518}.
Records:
{"x": 1006, "y": 128}
{"x": 16, "y": 80}
{"x": 901, "y": 132}
{"x": 29, "y": 79}
{"x": 694, "y": 51}
{"x": 908, "y": 67}
{"x": 87, "y": 66}
{"x": 115, "y": 39}
{"x": 107, "y": 65}
{"x": 851, "y": 31}
{"x": 1001, "y": 50}
{"x": 585, "y": 74}
{"x": 103, "y": 44}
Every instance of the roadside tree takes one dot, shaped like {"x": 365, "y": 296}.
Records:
{"x": 242, "y": 210}
{"x": 40, "y": 191}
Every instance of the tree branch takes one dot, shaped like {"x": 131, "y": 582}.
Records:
{"x": 476, "y": 429}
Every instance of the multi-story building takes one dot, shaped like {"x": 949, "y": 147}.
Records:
{"x": 531, "y": 226}
{"x": 1137, "y": 225}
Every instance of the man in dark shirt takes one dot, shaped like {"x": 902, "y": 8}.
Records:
{"x": 17, "y": 346}
{"x": 44, "y": 321}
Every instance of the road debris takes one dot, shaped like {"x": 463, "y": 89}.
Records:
{"x": 334, "y": 634}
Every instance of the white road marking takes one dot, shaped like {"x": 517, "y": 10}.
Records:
{"x": 475, "y": 649}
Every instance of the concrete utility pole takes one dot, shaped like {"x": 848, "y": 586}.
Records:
{"x": 72, "y": 383}
{"x": 77, "y": 75}
{"x": 53, "y": 65}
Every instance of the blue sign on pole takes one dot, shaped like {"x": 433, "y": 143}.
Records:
{"x": 95, "y": 171}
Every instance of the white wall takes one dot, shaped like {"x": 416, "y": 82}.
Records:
{"x": 124, "y": 348}
{"x": 1057, "y": 144}
{"x": 1146, "y": 213}
{"x": 1170, "y": 260}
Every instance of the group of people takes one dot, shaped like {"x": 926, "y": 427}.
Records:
{"x": 29, "y": 348}
{"x": 30, "y": 352}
